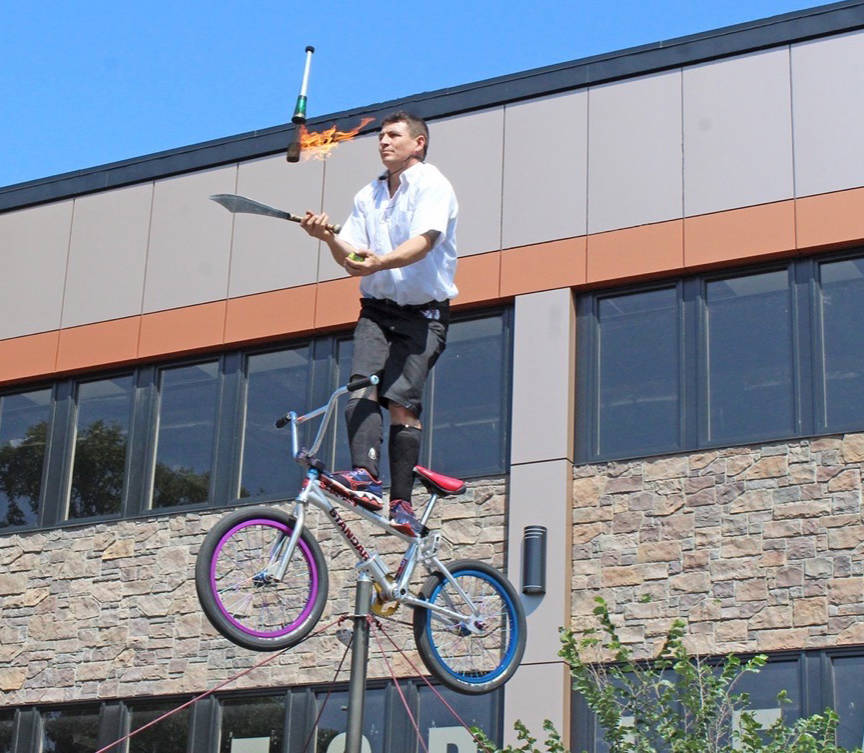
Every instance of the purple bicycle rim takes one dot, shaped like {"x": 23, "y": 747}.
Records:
{"x": 307, "y": 555}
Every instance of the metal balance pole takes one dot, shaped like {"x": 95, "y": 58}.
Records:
{"x": 359, "y": 657}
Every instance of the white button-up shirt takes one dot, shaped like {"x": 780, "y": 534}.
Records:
{"x": 423, "y": 201}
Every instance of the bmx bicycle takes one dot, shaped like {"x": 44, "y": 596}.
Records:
{"x": 262, "y": 578}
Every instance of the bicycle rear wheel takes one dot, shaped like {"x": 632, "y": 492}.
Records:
{"x": 471, "y": 658}
{"x": 241, "y": 601}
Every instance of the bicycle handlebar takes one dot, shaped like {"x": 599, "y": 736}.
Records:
{"x": 357, "y": 384}
{"x": 361, "y": 382}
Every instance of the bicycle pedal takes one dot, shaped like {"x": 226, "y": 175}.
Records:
{"x": 345, "y": 635}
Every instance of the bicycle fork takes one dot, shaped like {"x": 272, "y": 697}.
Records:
{"x": 283, "y": 549}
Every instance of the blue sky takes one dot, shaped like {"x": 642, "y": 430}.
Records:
{"x": 88, "y": 82}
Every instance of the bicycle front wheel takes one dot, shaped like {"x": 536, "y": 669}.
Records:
{"x": 241, "y": 599}
{"x": 476, "y": 654}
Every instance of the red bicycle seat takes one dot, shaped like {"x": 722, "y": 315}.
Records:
{"x": 438, "y": 482}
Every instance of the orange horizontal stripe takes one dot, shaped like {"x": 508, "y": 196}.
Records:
{"x": 720, "y": 239}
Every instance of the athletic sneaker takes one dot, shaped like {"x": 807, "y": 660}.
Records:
{"x": 359, "y": 485}
{"x": 403, "y": 519}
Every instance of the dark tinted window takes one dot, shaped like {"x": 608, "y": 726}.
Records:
{"x": 443, "y": 731}
{"x": 104, "y": 411}
{"x": 334, "y": 721}
{"x": 638, "y": 345}
{"x": 71, "y": 730}
{"x": 842, "y": 310}
{"x": 276, "y": 383}
{"x": 170, "y": 735}
{"x": 187, "y": 431}
{"x": 469, "y": 388}
{"x": 749, "y": 357}
{"x": 24, "y": 422}
{"x": 253, "y": 725}
{"x": 849, "y": 700}
{"x": 7, "y": 729}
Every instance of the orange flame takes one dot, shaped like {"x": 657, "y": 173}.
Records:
{"x": 319, "y": 144}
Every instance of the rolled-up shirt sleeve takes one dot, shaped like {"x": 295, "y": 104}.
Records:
{"x": 354, "y": 229}
{"x": 434, "y": 209}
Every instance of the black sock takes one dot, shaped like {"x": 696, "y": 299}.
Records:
{"x": 363, "y": 419}
{"x": 404, "y": 448}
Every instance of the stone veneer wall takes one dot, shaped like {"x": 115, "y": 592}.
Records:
{"x": 110, "y": 611}
{"x": 758, "y": 548}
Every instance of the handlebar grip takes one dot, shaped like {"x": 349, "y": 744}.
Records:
{"x": 359, "y": 384}
{"x": 280, "y": 422}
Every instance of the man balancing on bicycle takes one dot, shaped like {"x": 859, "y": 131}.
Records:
{"x": 400, "y": 240}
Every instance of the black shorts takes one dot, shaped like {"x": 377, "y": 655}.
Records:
{"x": 401, "y": 345}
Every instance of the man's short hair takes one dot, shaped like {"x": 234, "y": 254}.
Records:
{"x": 416, "y": 126}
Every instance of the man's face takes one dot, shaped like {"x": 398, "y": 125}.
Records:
{"x": 396, "y": 145}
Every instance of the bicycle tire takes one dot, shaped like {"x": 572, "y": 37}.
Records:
{"x": 262, "y": 616}
{"x": 464, "y": 661}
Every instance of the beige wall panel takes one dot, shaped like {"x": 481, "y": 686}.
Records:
{"x": 190, "y": 239}
{"x": 107, "y": 255}
{"x": 737, "y": 132}
{"x": 267, "y": 253}
{"x": 540, "y": 495}
{"x": 827, "y": 86}
{"x": 543, "y": 389}
{"x": 545, "y": 169}
{"x": 535, "y": 693}
{"x": 350, "y": 167}
{"x": 467, "y": 149}
{"x": 634, "y": 152}
{"x": 33, "y": 248}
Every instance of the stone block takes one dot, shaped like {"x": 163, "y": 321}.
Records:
{"x": 846, "y": 590}
{"x": 694, "y": 582}
{"x": 852, "y": 448}
{"x": 755, "y": 589}
{"x": 810, "y": 611}
{"x": 772, "y": 617}
{"x": 663, "y": 551}
{"x": 665, "y": 468}
{"x": 775, "y": 466}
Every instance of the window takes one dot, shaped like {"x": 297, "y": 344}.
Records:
{"x": 782, "y": 673}
{"x": 334, "y": 722}
{"x": 171, "y": 735}
{"x": 748, "y": 342}
{"x": 444, "y": 733}
{"x": 469, "y": 401}
{"x": 24, "y": 422}
{"x": 187, "y": 422}
{"x": 104, "y": 413}
{"x": 253, "y": 725}
{"x": 73, "y": 730}
{"x": 710, "y": 361}
{"x": 841, "y": 305}
{"x": 638, "y": 400}
{"x": 275, "y": 383}
{"x": 7, "y": 729}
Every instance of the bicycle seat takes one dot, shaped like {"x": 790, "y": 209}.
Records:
{"x": 439, "y": 483}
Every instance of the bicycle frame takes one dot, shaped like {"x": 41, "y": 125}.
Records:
{"x": 424, "y": 550}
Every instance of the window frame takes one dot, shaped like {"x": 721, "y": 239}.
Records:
{"x": 228, "y": 440}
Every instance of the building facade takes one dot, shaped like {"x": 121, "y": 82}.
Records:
{"x": 656, "y": 355}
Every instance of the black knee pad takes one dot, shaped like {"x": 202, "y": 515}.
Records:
{"x": 404, "y": 449}
{"x": 364, "y": 423}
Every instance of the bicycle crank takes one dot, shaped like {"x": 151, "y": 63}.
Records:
{"x": 380, "y": 606}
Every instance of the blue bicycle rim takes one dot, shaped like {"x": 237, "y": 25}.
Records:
{"x": 513, "y": 638}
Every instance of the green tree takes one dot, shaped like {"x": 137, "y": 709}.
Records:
{"x": 676, "y": 703}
